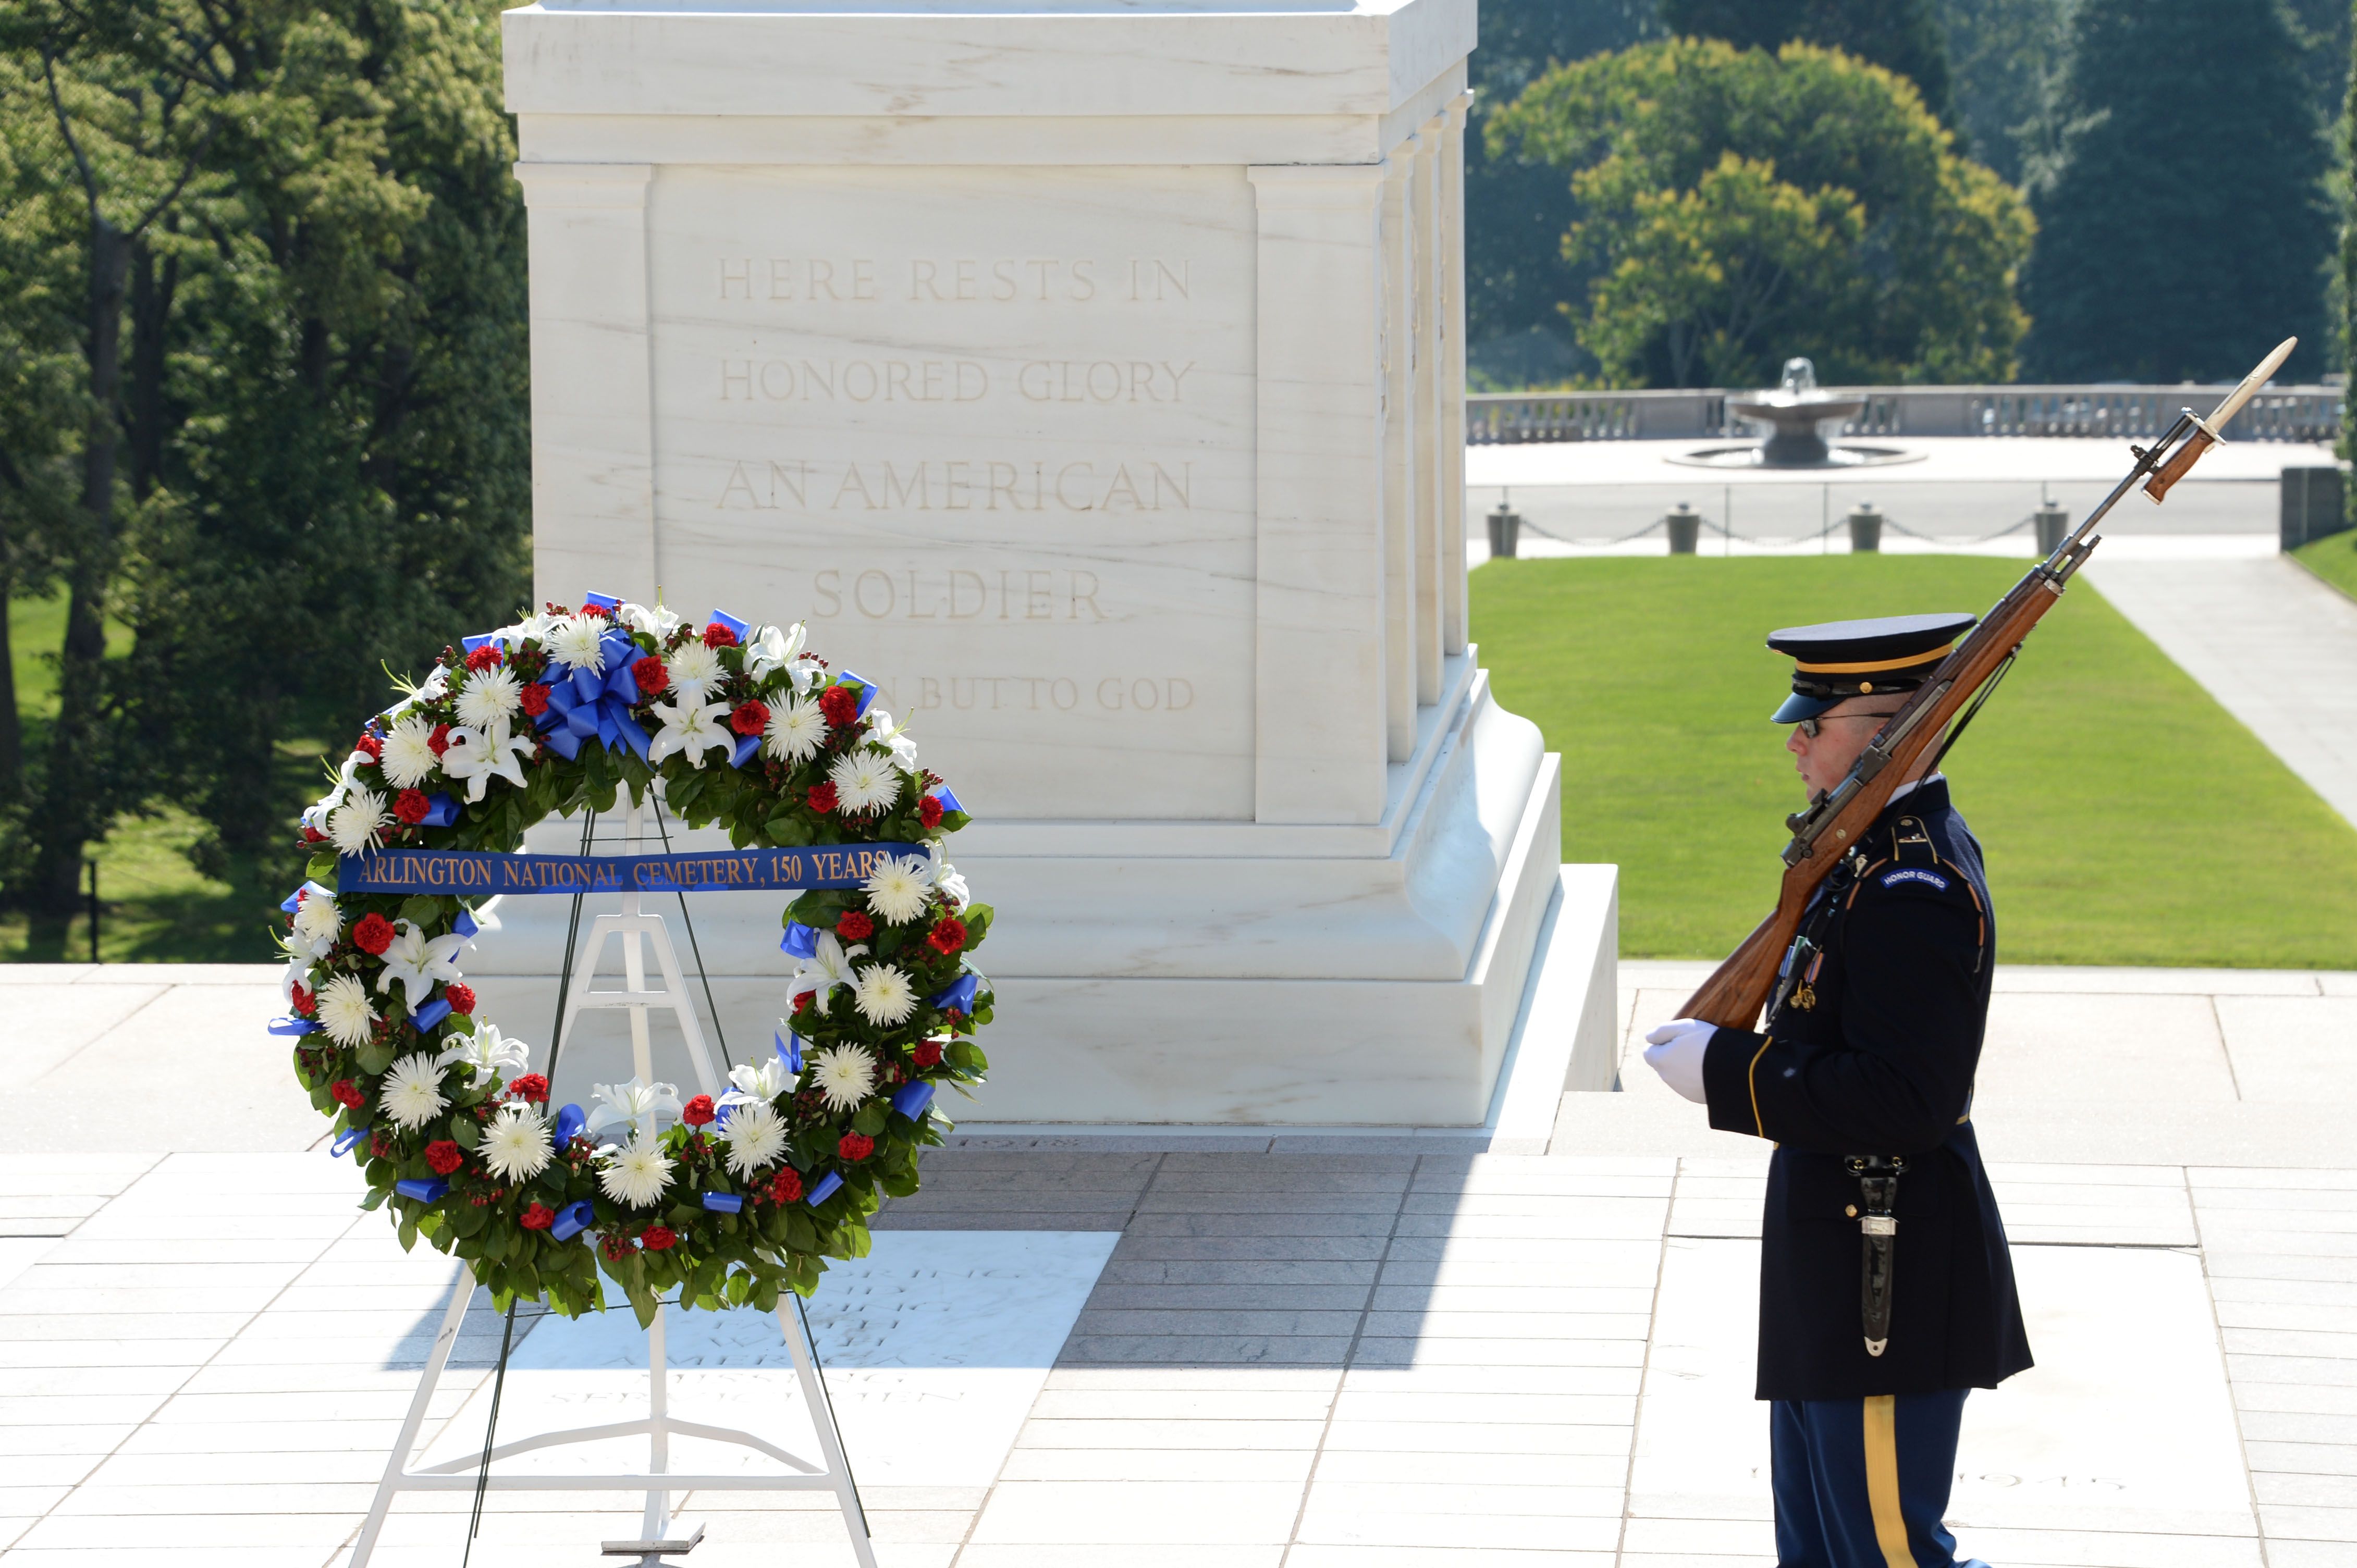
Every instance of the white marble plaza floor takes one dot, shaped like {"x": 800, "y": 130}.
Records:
{"x": 1310, "y": 1353}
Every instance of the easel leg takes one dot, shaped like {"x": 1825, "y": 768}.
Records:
{"x": 447, "y": 1340}
{"x": 658, "y": 1517}
{"x": 829, "y": 1437}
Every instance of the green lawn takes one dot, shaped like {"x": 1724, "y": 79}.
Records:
{"x": 2127, "y": 817}
{"x": 153, "y": 906}
{"x": 2333, "y": 559}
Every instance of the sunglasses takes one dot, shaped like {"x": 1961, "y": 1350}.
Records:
{"x": 1809, "y": 726}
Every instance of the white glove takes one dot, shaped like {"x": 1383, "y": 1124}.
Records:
{"x": 1675, "y": 1052}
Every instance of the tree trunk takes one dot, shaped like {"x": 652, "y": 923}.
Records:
{"x": 152, "y": 288}
{"x": 73, "y": 811}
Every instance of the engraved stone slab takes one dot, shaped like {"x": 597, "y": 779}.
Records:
{"x": 934, "y": 1347}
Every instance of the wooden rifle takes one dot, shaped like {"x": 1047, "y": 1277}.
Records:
{"x": 1902, "y": 750}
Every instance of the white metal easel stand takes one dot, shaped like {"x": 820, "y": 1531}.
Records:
{"x": 634, "y": 928}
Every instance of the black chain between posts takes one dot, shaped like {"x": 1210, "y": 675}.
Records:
{"x": 1793, "y": 541}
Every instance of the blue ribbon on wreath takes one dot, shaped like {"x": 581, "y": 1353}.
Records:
{"x": 790, "y": 1049}
{"x": 959, "y": 993}
{"x": 572, "y": 1219}
{"x": 911, "y": 1098}
{"x": 293, "y": 1026}
{"x": 826, "y": 1188}
{"x": 426, "y": 1189}
{"x": 866, "y": 688}
{"x": 800, "y": 940}
{"x": 724, "y": 1203}
{"x": 570, "y": 1121}
{"x": 584, "y": 705}
{"x": 344, "y": 1141}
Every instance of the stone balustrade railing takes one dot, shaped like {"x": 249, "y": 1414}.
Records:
{"x": 2281, "y": 413}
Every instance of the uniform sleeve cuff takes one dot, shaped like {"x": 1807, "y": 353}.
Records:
{"x": 1726, "y": 1080}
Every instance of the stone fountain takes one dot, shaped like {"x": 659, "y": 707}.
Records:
{"x": 1795, "y": 411}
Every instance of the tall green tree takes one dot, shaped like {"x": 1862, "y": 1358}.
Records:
{"x": 294, "y": 404}
{"x": 2006, "y": 61}
{"x": 1740, "y": 208}
{"x": 2189, "y": 226}
{"x": 1901, "y": 35}
{"x": 1517, "y": 208}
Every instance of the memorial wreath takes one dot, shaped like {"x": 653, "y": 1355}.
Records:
{"x": 725, "y": 1201}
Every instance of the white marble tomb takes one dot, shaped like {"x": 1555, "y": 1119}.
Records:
{"x": 1087, "y": 375}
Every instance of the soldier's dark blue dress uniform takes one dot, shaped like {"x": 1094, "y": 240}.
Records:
{"x": 1870, "y": 1050}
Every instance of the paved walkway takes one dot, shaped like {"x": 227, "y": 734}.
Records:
{"x": 2276, "y": 646}
{"x": 1341, "y": 1354}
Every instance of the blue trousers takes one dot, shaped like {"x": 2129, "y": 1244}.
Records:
{"x": 1863, "y": 1482}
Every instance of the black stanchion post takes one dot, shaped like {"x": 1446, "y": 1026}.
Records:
{"x": 1865, "y": 529}
{"x": 1505, "y": 531}
{"x": 1685, "y": 525}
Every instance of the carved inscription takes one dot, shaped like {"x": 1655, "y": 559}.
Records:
{"x": 956, "y": 280}
{"x": 958, "y": 594}
{"x": 756, "y": 380}
{"x": 1038, "y": 693}
{"x": 1135, "y": 484}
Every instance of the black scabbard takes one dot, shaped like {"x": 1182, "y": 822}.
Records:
{"x": 1877, "y": 1224}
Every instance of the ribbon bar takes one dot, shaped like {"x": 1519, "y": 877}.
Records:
{"x": 481, "y": 873}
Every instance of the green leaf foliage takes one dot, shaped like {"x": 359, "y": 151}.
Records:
{"x": 1740, "y": 208}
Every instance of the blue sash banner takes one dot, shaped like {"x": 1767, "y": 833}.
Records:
{"x": 478, "y": 873}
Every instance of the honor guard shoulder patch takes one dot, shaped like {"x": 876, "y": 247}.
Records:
{"x": 1915, "y": 874}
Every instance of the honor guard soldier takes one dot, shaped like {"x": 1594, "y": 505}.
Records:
{"x": 1886, "y": 1289}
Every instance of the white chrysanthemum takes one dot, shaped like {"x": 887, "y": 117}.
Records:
{"x": 317, "y": 920}
{"x": 883, "y": 995}
{"x": 898, "y": 888}
{"x": 578, "y": 641}
{"x": 842, "y": 1076}
{"x": 864, "y": 781}
{"x": 756, "y": 1134}
{"x": 636, "y": 1173}
{"x": 355, "y": 825}
{"x": 796, "y": 728}
{"x": 409, "y": 759}
{"x": 695, "y": 672}
{"x": 488, "y": 697}
{"x": 515, "y": 1146}
{"x": 412, "y": 1095}
{"x": 344, "y": 1010}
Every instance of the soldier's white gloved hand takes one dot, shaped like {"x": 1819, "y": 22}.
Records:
{"x": 1675, "y": 1052}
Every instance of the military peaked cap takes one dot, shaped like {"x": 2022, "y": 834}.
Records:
{"x": 1843, "y": 659}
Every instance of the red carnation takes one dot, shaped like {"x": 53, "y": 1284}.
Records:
{"x": 600, "y": 611}
{"x": 927, "y": 1053}
{"x": 802, "y": 1002}
{"x": 653, "y": 677}
{"x": 410, "y": 806}
{"x": 461, "y": 999}
{"x": 697, "y": 1111}
{"x": 535, "y": 698}
{"x": 445, "y": 1156}
{"x": 348, "y": 1094}
{"x": 536, "y": 1217}
{"x": 929, "y": 810}
{"x": 750, "y": 719}
{"x": 853, "y": 924}
{"x": 855, "y": 1146}
{"x": 488, "y": 657}
{"x": 305, "y": 1002}
{"x": 373, "y": 744}
{"x": 839, "y": 703}
{"x": 822, "y": 798}
{"x": 439, "y": 741}
{"x": 530, "y": 1087}
{"x": 719, "y": 635}
{"x": 373, "y": 935}
{"x": 786, "y": 1185}
{"x": 660, "y": 1238}
{"x": 313, "y": 835}
{"x": 947, "y": 936}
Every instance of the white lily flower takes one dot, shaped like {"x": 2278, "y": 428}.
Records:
{"x": 298, "y": 972}
{"x": 772, "y": 649}
{"x": 417, "y": 964}
{"x": 492, "y": 1055}
{"x": 477, "y": 757}
{"x": 945, "y": 879}
{"x": 806, "y": 674}
{"x": 824, "y": 969}
{"x": 757, "y": 1083}
{"x": 317, "y": 922}
{"x": 657, "y": 622}
{"x": 626, "y": 1104}
{"x": 690, "y": 730}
